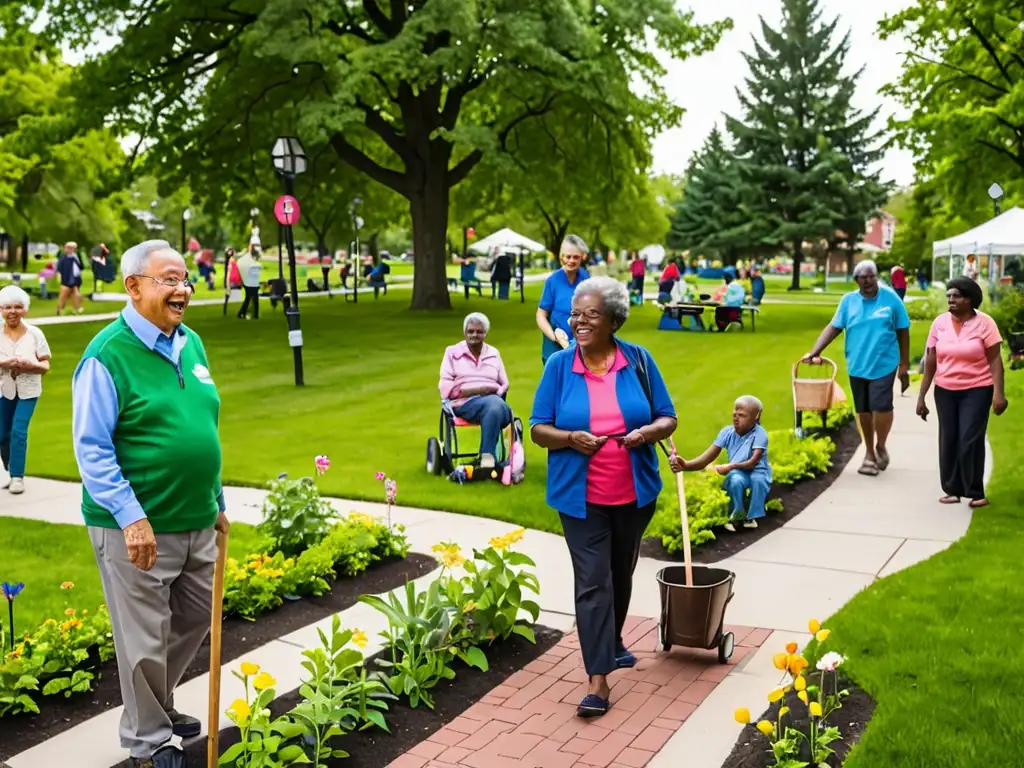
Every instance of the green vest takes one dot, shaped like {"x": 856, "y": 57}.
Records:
{"x": 166, "y": 439}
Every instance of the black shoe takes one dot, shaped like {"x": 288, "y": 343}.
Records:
{"x": 185, "y": 726}
{"x": 165, "y": 757}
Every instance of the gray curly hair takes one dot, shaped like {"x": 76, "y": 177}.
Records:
{"x": 614, "y": 294}
{"x": 577, "y": 242}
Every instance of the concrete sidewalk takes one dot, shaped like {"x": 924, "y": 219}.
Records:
{"x": 859, "y": 530}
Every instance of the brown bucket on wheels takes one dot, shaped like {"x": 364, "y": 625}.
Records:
{"x": 694, "y": 616}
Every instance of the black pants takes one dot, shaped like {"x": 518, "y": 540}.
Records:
{"x": 252, "y": 296}
{"x": 604, "y": 547}
{"x": 327, "y": 279}
{"x": 963, "y": 419}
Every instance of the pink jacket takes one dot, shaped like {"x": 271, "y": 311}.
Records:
{"x": 460, "y": 370}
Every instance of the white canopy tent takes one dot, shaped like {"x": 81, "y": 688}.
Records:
{"x": 653, "y": 255}
{"x": 991, "y": 242}
{"x": 509, "y": 239}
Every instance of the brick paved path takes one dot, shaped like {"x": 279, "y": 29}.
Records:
{"x": 530, "y": 720}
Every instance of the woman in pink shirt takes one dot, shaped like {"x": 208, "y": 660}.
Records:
{"x": 474, "y": 381}
{"x": 963, "y": 359}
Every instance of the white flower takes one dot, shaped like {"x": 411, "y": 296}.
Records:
{"x": 829, "y": 662}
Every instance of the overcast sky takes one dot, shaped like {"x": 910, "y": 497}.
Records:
{"x": 706, "y": 86}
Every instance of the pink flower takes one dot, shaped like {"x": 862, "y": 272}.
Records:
{"x": 379, "y": 476}
{"x": 322, "y": 464}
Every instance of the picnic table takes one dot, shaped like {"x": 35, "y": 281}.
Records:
{"x": 672, "y": 315}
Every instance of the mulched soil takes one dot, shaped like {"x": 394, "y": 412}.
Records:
{"x": 753, "y": 749}
{"x": 22, "y": 732}
{"x": 795, "y": 499}
{"x": 374, "y": 748}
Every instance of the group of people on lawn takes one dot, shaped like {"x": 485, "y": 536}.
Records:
{"x": 153, "y": 502}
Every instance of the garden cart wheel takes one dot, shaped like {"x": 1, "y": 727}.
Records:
{"x": 666, "y": 647}
{"x": 725, "y": 647}
{"x": 434, "y": 456}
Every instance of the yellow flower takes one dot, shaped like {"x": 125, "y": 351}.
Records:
{"x": 249, "y": 669}
{"x": 822, "y": 635}
{"x": 69, "y": 612}
{"x": 50, "y": 622}
{"x": 469, "y": 607}
{"x": 68, "y": 585}
{"x": 359, "y": 638}
{"x": 742, "y": 715}
{"x": 800, "y": 684}
{"x": 781, "y": 661}
{"x": 815, "y": 709}
{"x": 15, "y": 654}
{"x": 766, "y": 728}
{"x": 776, "y": 695}
{"x": 239, "y": 710}
{"x": 85, "y": 612}
{"x": 499, "y": 542}
{"x": 516, "y": 535}
{"x": 797, "y": 664}
{"x": 263, "y": 681}
{"x": 791, "y": 648}
{"x": 802, "y": 696}
{"x": 783, "y": 711}
{"x": 814, "y": 625}
{"x": 452, "y": 559}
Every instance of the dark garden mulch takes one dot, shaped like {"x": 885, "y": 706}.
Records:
{"x": 753, "y": 749}
{"x": 374, "y": 748}
{"x": 22, "y": 732}
{"x": 795, "y": 499}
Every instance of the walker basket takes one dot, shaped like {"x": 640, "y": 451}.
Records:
{"x": 694, "y": 617}
{"x": 815, "y": 394}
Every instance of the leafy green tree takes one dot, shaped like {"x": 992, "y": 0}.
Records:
{"x": 805, "y": 152}
{"x": 413, "y": 94}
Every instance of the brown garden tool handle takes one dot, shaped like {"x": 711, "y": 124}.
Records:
{"x": 687, "y": 558}
{"x": 216, "y": 630}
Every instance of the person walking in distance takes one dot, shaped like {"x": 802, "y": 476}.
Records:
{"x": 145, "y": 414}
{"x": 69, "y": 267}
{"x": 250, "y": 268}
{"x": 877, "y": 351}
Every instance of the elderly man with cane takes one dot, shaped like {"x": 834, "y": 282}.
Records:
{"x": 145, "y": 420}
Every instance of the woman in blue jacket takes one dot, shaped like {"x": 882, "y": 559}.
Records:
{"x": 600, "y": 408}
{"x": 556, "y": 299}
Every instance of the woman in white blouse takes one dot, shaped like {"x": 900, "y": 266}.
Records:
{"x": 24, "y": 358}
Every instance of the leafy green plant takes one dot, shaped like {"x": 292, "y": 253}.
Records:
{"x": 256, "y": 586}
{"x": 794, "y": 459}
{"x": 491, "y": 594}
{"x": 295, "y": 517}
{"x": 263, "y": 741}
{"x": 424, "y": 634}
{"x": 1007, "y": 310}
{"x": 927, "y": 309}
{"x": 835, "y": 417}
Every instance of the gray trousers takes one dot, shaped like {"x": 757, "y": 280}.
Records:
{"x": 160, "y": 618}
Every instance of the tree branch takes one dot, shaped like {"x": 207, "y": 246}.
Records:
{"x": 362, "y": 162}
{"x": 984, "y": 42}
{"x": 382, "y": 22}
{"x": 1018, "y": 161}
{"x": 967, "y": 75}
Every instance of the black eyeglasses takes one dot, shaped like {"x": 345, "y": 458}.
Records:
{"x": 590, "y": 314}
{"x": 170, "y": 282}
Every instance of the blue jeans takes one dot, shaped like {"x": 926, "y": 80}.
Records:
{"x": 14, "y": 418}
{"x": 491, "y": 413}
{"x": 737, "y": 483}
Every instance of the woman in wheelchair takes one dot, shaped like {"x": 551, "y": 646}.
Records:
{"x": 474, "y": 382}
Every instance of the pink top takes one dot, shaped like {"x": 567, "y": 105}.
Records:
{"x": 897, "y": 277}
{"x": 460, "y": 370}
{"x": 960, "y": 357}
{"x": 610, "y": 471}
{"x": 638, "y": 268}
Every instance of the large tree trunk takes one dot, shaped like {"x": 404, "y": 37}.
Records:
{"x": 428, "y": 206}
{"x": 798, "y": 260}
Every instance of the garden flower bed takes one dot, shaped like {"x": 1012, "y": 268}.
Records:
{"x": 803, "y": 469}
{"x": 63, "y": 672}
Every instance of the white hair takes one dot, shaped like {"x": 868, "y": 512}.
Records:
{"x": 614, "y": 294}
{"x": 476, "y": 317}
{"x": 865, "y": 266}
{"x": 578, "y": 243}
{"x": 135, "y": 259}
{"x": 14, "y": 296}
{"x": 750, "y": 401}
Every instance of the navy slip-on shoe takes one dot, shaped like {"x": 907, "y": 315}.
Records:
{"x": 592, "y": 706}
{"x": 624, "y": 659}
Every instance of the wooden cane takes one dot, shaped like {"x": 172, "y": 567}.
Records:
{"x": 216, "y": 630}
{"x": 681, "y": 491}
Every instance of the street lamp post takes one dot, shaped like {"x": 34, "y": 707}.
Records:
{"x": 185, "y": 216}
{"x": 289, "y": 160}
{"x": 355, "y": 248}
{"x": 995, "y": 192}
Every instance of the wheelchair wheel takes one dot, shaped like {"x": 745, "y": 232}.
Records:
{"x": 435, "y": 459}
{"x": 517, "y": 425}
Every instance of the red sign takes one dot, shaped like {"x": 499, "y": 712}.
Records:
{"x": 470, "y": 233}
{"x": 286, "y": 210}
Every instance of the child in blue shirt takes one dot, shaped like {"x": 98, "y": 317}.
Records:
{"x": 746, "y": 444}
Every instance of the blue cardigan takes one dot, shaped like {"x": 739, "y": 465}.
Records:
{"x": 562, "y": 401}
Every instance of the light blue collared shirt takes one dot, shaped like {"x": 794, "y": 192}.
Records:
{"x": 94, "y": 419}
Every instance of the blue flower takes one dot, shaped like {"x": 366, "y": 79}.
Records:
{"x": 11, "y": 591}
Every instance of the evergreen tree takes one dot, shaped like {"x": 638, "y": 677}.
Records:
{"x": 804, "y": 150}
{"x": 710, "y": 205}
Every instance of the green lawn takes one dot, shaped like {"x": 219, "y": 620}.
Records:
{"x": 938, "y": 645}
{"x": 63, "y": 553}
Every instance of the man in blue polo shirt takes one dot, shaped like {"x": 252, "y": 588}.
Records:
{"x": 556, "y": 300}
{"x": 877, "y": 351}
